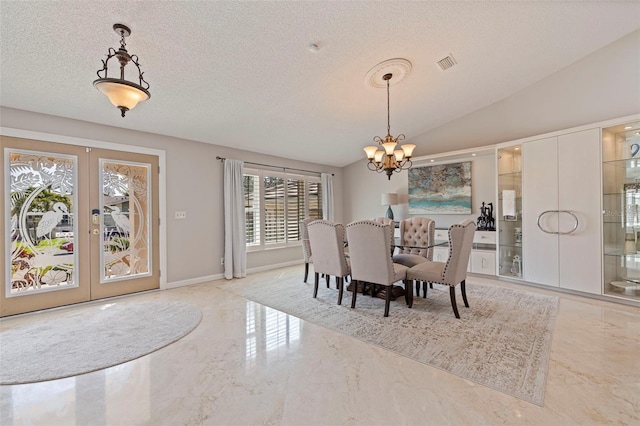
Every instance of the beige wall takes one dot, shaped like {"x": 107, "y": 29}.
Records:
{"x": 194, "y": 184}
{"x": 601, "y": 86}
{"x": 366, "y": 201}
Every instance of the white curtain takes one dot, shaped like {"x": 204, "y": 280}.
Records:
{"x": 235, "y": 246}
{"x": 326, "y": 179}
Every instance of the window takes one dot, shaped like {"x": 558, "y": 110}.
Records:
{"x": 275, "y": 203}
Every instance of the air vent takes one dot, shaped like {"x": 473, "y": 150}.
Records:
{"x": 446, "y": 62}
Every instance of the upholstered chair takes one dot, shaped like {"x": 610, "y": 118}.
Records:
{"x": 370, "y": 254}
{"x": 454, "y": 270}
{"x": 384, "y": 221}
{"x": 306, "y": 247}
{"x": 327, "y": 245}
{"x": 416, "y": 231}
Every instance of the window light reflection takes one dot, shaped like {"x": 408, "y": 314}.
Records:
{"x": 269, "y": 334}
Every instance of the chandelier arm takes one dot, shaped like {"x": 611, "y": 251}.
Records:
{"x": 134, "y": 60}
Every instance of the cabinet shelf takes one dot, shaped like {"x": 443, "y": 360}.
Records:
{"x": 621, "y": 205}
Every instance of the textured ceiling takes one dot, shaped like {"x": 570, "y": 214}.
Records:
{"x": 240, "y": 74}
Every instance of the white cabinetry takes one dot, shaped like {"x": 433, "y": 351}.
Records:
{"x": 483, "y": 256}
{"x": 561, "y": 233}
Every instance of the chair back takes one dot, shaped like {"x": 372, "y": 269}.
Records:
{"x": 384, "y": 221}
{"x": 418, "y": 231}
{"x": 327, "y": 245}
{"x": 370, "y": 251}
{"x": 460, "y": 242}
{"x": 304, "y": 236}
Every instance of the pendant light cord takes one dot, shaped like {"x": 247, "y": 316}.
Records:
{"x": 388, "y": 115}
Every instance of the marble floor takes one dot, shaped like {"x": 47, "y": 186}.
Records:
{"x": 246, "y": 364}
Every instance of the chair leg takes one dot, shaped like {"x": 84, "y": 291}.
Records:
{"x": 328, "y": 278}
{"x": 424, "y": 289}
{"x": 418, "y": 288}
{"x": 315, "y": 284}
{"x": 464, "y": 293}
{"x": 354, "y": 293}
{"x": 408, "y": 293}
{"x": 340, "y": 287}
{"x": 452, "y": 293}
{"x": 306, "y": 271}
{"x": 387, "y": 301}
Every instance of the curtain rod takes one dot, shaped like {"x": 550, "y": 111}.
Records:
{"x": 275, "y": 167}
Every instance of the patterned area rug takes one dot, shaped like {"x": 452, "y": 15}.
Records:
{"x": 502, "y": 341}
{"x": 85, "y": 339}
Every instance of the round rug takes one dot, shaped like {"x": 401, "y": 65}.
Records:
{"x": 92, "y": 338}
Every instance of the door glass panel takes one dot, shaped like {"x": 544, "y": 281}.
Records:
{"x": 40, "y": 209}
{"x": 125, "y": 204}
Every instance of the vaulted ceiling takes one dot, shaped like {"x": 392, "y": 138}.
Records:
{"x": 241, "y": 74}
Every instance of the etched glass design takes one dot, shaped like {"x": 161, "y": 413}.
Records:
{"x": 41, "y": 209}
{"x": 126, "y": 208}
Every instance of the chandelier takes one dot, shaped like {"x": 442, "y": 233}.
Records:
{"x": 389, "y": 159}
{"x": 122, "y": 93}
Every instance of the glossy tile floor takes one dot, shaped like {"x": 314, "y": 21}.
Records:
{"x": 246, "y": 364}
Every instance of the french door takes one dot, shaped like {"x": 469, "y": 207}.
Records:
{"x": 79, "y": 224}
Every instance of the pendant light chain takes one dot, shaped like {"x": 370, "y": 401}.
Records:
{"x": 388, "y": 113}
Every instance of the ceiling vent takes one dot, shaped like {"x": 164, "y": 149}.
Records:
{"x": 446, "y": 62}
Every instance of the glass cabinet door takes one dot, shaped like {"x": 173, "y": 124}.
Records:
{"x": 621, "y": 210}
{"x": 510, "y": 212}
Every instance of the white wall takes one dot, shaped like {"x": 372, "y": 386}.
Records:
{"x": 194, "y": 184}
{"x": 601, "y": 86}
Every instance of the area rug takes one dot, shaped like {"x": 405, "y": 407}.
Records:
{"x": 502, "y": 341}
{"x": 91, "y": 338}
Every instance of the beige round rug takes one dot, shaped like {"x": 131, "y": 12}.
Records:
{"x": 92, "y": 338}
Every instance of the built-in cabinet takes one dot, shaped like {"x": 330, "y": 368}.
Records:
{"x": 482, "y": 259}
{"x": 621, "y": 210}
{"x": 509, "y": 217}
{"x": 561, "y": 236}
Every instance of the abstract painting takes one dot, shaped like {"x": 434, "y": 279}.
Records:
{"x": 441, "y": 189}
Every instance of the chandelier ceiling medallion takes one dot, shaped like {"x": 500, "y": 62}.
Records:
{"x": 123, "y": 94}
{"x": 388, "y": 159}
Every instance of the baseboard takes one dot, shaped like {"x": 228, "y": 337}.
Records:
{"x": 275, "y": 266}
{"x": 207, "y": 278}
{"x": 199, "y": 280}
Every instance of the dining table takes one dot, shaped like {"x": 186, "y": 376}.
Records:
{"x": 396, "y": 290}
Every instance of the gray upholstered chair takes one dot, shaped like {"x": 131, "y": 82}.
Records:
{"x": 454, "y": 270}
{"x": 306, "y": 247}
{"x": 384, "y": 221}
{"x": 416, "y": 231}
{"x": 327, "y": 245}
{"x": 370, "y": 253}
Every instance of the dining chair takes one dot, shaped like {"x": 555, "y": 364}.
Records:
{"x": 384, "y": 220}
{"x": 417, "y": 235}
{"x": 454, "y": 270}
{"x": 370, "y": 254}
{"x": 327, "y": 245}
{"x": 306, "y": 247}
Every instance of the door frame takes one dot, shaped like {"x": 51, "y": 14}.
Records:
{"x": 90, "y": 143}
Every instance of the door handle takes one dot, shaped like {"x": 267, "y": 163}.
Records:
{"x": 540, "y": 217}
{"x": 575, "y": 219}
